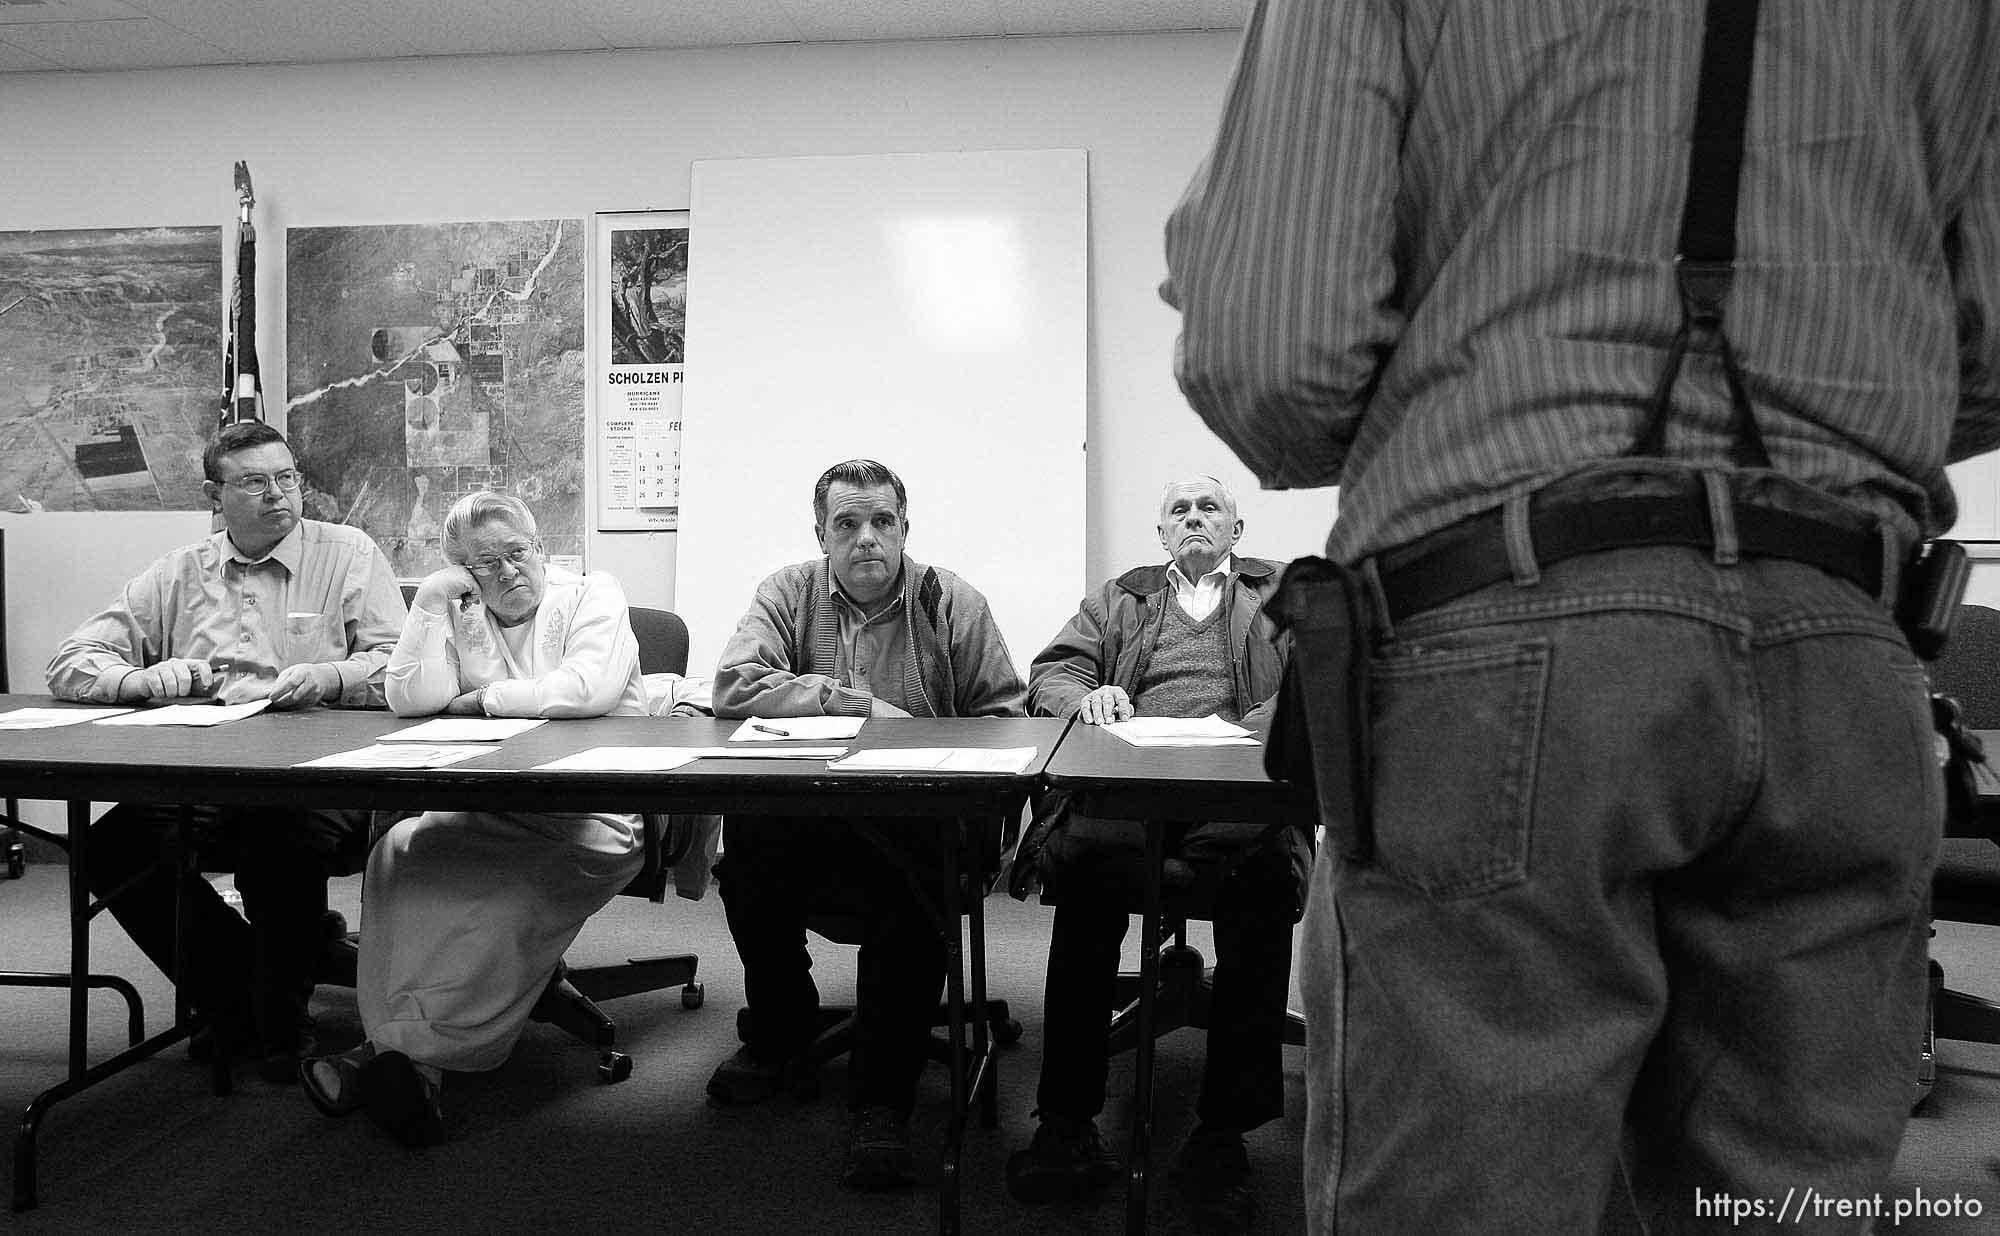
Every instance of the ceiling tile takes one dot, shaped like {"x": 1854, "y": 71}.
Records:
{"x": 1067, "y": 17}
{"x": 894, "y": 19}
{"x": 12, "y": 14}
{"x": 697, "y": 23}
{"x": 479, "y": 27}
{"x": 14, "y": 60}
{"x": 258, "y": 32}
{"x": 139, "y": 43}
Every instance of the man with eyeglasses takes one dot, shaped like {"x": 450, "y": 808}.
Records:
{"x": 273, "y": 607}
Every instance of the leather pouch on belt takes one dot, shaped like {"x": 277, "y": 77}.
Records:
{"x": 1319, "y": 730}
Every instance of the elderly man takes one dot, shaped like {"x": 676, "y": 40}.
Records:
{"x": 1187, "y": 638}
{"x": 271, "y": 607}
{"x": 863, "y": 631}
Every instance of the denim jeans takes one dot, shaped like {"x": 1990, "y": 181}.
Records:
{"x": 1653, "y": 839}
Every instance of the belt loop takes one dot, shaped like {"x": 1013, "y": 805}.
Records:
{"x": 1375, "y": 598}
{"x": 1721, "y": 518}
{"x": 1520, "y": 541}
{"x": 1892, "y": 564}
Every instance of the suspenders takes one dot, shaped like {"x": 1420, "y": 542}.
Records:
{"x": 1707, "y": 247}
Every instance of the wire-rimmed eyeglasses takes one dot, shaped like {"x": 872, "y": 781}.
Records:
{"x": 257, "y": 484}
{"x": 487, "y": 568}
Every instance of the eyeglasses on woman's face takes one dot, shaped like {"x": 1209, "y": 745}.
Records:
{"x": 517, "y": 557}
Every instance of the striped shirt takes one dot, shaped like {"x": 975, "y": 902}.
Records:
{"x": 1429, "y": 258}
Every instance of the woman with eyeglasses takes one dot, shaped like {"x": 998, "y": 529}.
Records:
{"x": 467, "y": 914}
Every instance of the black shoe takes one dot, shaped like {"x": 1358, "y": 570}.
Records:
{"x": 398, "y": 1097}
{"x": 1066, "y": 1159}
{"x": 744, "y": 1078}
{"x": 1212, "y": 1173}
{"x": 878, "y": 1152}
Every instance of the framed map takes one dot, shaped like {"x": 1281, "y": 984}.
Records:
{"x": 425, "y": 361}
{"x": 110, "y": 367}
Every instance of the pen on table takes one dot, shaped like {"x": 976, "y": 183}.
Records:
{"x": 765, "y": 729}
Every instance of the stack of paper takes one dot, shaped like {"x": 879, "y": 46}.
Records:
{"x": 1209, "y": 731}
{"x": 51, "y": 718}
{"x": 463, "y": 729}
{"x": 778, "y": 729}
{"x": 939, "y": 759}
{"x": 188, "y": 714}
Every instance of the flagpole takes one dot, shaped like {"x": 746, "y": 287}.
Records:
{"x": 242, "y": 389}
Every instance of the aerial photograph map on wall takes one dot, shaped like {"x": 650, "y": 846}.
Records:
{"x": 424, "y": 361}
{"x": 110, "y": 367}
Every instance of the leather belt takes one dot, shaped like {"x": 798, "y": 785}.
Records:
{"x": 1472, "y": 553}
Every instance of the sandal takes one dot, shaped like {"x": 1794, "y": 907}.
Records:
{"x": 333, "y": 1083}
{"x": 398, "y": 1097}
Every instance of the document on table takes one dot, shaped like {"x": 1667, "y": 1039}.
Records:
{"x": 661, "y": 759}
{"x": 1209, "y": 731}
{"x": 188, "y": 714}
{"x": 938, "y": 759}
{"x": 625, "y": 759}
{"x": 464, "y": 729}
{"x": 402, "y": 755}
{"x": 778, "y": 729}
{"x": 51, "y": 718}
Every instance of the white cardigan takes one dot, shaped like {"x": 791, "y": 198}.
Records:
{"x": 581, "y": 659}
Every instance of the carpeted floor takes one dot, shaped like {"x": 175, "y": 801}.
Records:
{"x": 541, "y": 1144}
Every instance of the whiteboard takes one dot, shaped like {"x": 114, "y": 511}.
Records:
{"x": 924, "y": 310}
{"x": 1976, "y": 483}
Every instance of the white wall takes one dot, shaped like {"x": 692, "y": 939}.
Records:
{"x": 566, "y": 135}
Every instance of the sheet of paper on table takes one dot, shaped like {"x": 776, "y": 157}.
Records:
{"x": 401, "y": 755}
{"x": 1209, "y": 731}
{"x": 939, "y": 759}
{"x": 778, "y": 729}
{"x": 625, "y": 759}
{"x": 52, "y": 718}
{"x": 188, "y": 714}
{"x": 463, "y": 729}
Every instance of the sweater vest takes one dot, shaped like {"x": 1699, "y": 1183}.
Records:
{"x": 1189, "y": 674}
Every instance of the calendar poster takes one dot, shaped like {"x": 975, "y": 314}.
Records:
{"x": 641, "y": 262}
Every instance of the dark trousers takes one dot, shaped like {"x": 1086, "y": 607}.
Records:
{"x": 243, "y": 974}
{"x": 1242, "y": 1082}
{"x": 777, "y": 874}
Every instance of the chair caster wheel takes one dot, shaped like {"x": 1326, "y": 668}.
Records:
{"x": 693, "y": 996}
{"x": 613, "y": 1067}
{"x": 1007, "y": 1033}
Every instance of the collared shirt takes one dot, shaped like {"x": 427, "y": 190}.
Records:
{"x": 1199, "y": 599}
{"x": 871, "y": 651}
{"x": 1430, "y": 257}
{"x": 324, "y": 594}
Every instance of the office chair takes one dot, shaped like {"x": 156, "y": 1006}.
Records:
{"x": 1966, "y": 887}
{"x": 1185, "y": 993}
{"x": 837, "y": 916}
{"x": 569, "y": 1002}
